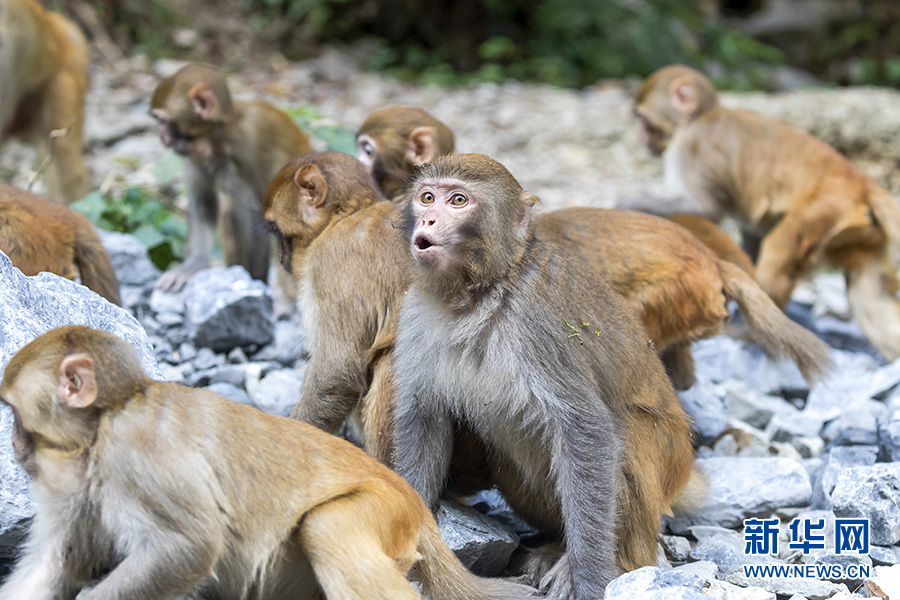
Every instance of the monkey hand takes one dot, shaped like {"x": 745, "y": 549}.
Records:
{"x": 174, "y": 279}
{"x": 557, "y": 583}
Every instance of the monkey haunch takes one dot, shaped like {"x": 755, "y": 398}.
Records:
{"x": 234, "y": 149}
{"x": 39, "y": 235}
{"x": 552, "y": 369}
{"x": 173, "y": 487}
{"x": 43, "y": 79}
{"x": 810, "y": 204}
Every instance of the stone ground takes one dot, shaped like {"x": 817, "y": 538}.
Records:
{"x": 771, "y": 446}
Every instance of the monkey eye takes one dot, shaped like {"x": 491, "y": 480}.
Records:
{"x": 427, "y": 198}
{"x": 459, "y": 200}
{"x": 367, "y": 148}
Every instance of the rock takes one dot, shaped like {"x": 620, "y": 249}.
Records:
{"x": 722, "y": 590}
{"x": 703, "y": 404}
{"x": 491, "y": 503}
{"x": 808, "y": 446}
{"x": 647, "y": 579}
{"x": 30, "y": 306}
{"x": 785, "y": 427}
{"x": 237, "y": 356}
{"x": 838, "y": 459}
{"x": 885, "y": 555}
{"x": 814, "y": 589}
{"x": 741, "y": 488}
{"x": 743, "y": 440}
{"x": 129, "y": 259}
{"x": 277, "y": 392}
{"x": 707, "y": 570}
{"x": 844, "y": 561}
{"x": 746, "y": 404}
{"x": 846, "y": 386}
{"x": 873, "y": 493}
{"x": 889, "y": 436}
{"x": 232, "y": 392}
{"x": 482, "y": 544}
{"x": 845, "y": 335}
{"x": 286, "y": 347}
{"x": 724, "y": 548}
{"x": 676, "y": 547}
{"x": 888, "y": 580}
{"x": 206, "y": 359}
{"x": 225, "y": 308}
{"x": 161, "y": 302}
{"x": 169, "y": 319}
{"x": 857, "y": 426}
{"x": 722, "y": 358}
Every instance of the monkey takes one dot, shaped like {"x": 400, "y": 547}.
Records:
{"x": 653, "y": 274}
{"x": 43, "y": 67}
{"x": 40, "y": 235}
{"x": 142, "y": 478}
{"x": 233, "y": 149}
{"x": 393, "y": 141}
{"x": 811, "y": 206}
{"x": 336, "y": 234}
{"x": 548, "y": 365}
{"x": 679, "y": 286}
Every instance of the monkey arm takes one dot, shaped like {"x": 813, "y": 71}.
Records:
{"x": 40, "y": 573}
{"x": 585, "y": 458}
{"x": 203, "y": 215}
{"x": 423, "y": 442}
{"x": 335, "y": 381}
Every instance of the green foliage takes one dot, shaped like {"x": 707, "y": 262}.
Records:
{"x": 561, "y": 42}
{"x": 336, "y": 138}
{"x": 136, "y": 212}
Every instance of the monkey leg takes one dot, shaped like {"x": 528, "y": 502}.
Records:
{"x": 245, "y": 241}
{"x": 348, "y": 540}
{"x": 872, "y": 286}
{"x": 378, "y": 411}
{"x": 679, "y": 364}
{"x": 61, "y": 138}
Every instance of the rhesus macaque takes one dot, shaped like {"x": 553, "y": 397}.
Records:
{"x": 39, "y": 235}
{"x": 337, "y": 236}
{"x": 172, "y": 488}
{"x": 676, "y": 284}
{"x": 507, "y": 332}
{"x": 393, "y": 141}
{"x": 43, "y": 79}
{"x": 234, "y": 149}
{"x": 810, "y": 204}
{"x": 679, "y": 287}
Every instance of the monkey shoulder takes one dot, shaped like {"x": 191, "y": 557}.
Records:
{"x": 273, "y": 126}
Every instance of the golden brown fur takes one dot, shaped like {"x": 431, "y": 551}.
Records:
{"x": 39, "y": 235}
{"x": 43, "y": 70}
{"x": 810, "y": 204}
{"x": 678, "y": 285}
{"x": 143, "y": 479}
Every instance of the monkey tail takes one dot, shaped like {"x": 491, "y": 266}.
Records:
{"x": 887, "y": 213}
{"x": 771, "y": 328}
{"x": 443, "y": 577}
{"x": 93, "y": 263}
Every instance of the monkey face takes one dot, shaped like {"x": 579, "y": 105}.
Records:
{"x": 439, "y": 209}
{"x": 654, "y": 136}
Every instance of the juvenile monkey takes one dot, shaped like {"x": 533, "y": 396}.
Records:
{"x": 39, "y": 235}
{"x": 337, "y": 236}
{"x": 503, "y": 330}
{"x": 393, "y": 141}
{"x": 677, "y": 284}
{"x": 43, "y": 70}
{"x": 233, "y": 150}
{"x": 143, "y": 479}
{"x": 811, "y": 206}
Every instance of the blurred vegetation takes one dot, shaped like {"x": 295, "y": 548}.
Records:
{"x": 562, "y": 42}
{"x": 148, "y": 213}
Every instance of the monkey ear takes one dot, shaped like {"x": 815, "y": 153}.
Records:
{"x": 683, "y": 95}
{"x": 421, "y": 146}
{"x": 310, "y": 180}
{"x": 77, "y": 381}
{"x": 528, "y": 201}
{"x": 204, "y": 101}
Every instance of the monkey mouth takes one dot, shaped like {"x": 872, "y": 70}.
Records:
{"x": 422, "y": 243}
